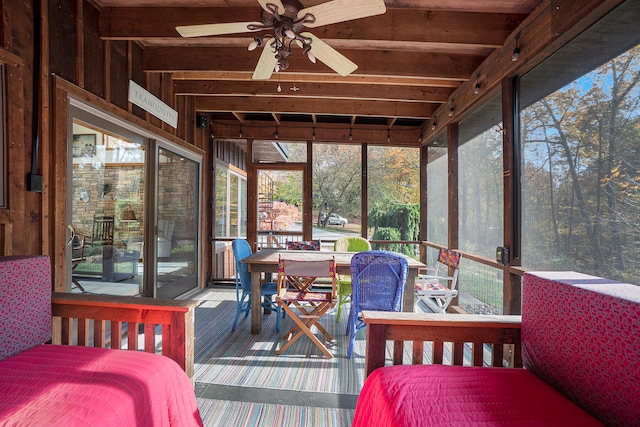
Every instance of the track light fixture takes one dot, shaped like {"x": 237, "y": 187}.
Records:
{"x": 313, "y": 134}
{"x": 434, "y": 124}
{"x": 350, "y": 134}
{"x": 240, "y": 134}
{"x": 516, "y": 50}
{"x": 276, "y": 134}
{"x": 388, "y": 135}
{"x": 451, "y": 111}
{"x": 476, "y": 90}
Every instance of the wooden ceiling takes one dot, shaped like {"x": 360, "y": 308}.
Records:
{"x": 410, "y": 60}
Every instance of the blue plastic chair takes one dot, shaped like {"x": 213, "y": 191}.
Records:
{"x": 241, "y": 250}
{"x": 378, "y": 280}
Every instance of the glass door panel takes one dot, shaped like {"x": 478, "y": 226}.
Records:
{"x": 280, "y": 209}
{"x": 178, "y": 179}
{"x": 234, "y": 205}
{"x": 106, "y": 206}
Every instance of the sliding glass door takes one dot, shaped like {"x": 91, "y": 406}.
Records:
{"x": 132, "y": 209}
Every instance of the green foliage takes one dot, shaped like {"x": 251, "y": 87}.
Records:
{"x": 337, "y": 179}
{"x": 289, "y": 190}
{"x": 387, "y": 233}
{"x": 403, "y": 218}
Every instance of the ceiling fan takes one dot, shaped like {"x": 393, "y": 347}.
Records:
{"x": 286, "y": 19}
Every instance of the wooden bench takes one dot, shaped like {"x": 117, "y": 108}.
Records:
{"x": 478, "y": 330}
{"x": 92, "y": 312}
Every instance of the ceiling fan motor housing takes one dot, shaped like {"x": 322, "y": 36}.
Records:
{"x": 282, "y": 24}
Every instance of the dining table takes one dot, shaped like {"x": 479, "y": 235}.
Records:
{"x": 266, "y": 261}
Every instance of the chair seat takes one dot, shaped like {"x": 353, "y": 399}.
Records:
{"x": 433, "y": 288}
{"x": 432, "y": 293}
{"x": 311, "y": 297}
{"x": 270, "y": 288}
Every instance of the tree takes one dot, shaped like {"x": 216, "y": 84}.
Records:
{"x": 587, "y": 138}
{"x": 399, "y": 221}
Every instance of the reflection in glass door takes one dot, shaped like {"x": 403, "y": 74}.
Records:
{"x": 178, "y": 178}
{"x": 106, "y": 208}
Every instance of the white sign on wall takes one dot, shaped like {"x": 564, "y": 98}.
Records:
{"x": 145, "y": 100}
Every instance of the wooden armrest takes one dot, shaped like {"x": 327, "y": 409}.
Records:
{"x": 438, "y": 329}
{"x": 176, "y": 318}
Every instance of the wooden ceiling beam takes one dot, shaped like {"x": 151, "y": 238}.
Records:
{"x": 340, "y": 133}
{"x": 337, "y": 107}
{"x": 377, "y": 63}
{"x": 239, "y": 116}
{"x": 418, "y": 25}
{"x": 288, "y": 76}
{"x": 311, "y": 90}
{"x": 339, "y": 44}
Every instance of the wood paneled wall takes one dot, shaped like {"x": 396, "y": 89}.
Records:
{"x": 20, "y": 223}
{"x": 74, "y": 61}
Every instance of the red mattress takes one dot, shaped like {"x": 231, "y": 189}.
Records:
{"x": 436, "y": 395}
{"x": 51, "y": 385}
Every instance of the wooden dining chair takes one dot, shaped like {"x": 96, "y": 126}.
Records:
{"x": 306, "y": 306}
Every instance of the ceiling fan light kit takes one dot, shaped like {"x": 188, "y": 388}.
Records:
{"x": 282, "y": 22}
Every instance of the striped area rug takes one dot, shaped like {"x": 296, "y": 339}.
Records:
{"x": 225, "y": 413}
{"x": 238, "y": 358}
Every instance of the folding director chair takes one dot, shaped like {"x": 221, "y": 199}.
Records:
{"x": 432, "y": 289}
{"x": 305, "y": 305}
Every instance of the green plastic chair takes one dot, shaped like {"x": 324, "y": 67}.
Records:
{"x": 348, "y": 244}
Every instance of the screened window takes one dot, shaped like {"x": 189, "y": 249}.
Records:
{"x": 394, "y": 196}
{"x": 231, "y": 203}
{"x": 480, "y": 182}
{"x": 222, "y": 201}
{"x": 337, "y": 189}
{"x": 438, "y": 192}
{"x": 580, "y": 130}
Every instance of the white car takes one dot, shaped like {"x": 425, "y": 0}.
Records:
{"x": 335, "y": 219}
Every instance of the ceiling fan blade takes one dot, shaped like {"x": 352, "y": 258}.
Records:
{"x": 266, "y": 64}
{"x": 215, "y": 29}
{"x": 330, "y": 57}
{"x": 278, "y": 3}
{"x": 335, "y": 11}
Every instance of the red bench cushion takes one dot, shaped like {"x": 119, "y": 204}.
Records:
{"x": 581, "y": 334}
{"x": 436, "y": 395}
{"x": 71, "y": 386}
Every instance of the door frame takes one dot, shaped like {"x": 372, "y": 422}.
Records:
{"x": 65, "y": 95}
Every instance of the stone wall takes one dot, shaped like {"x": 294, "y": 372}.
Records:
{"x": 110, "y": 190}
